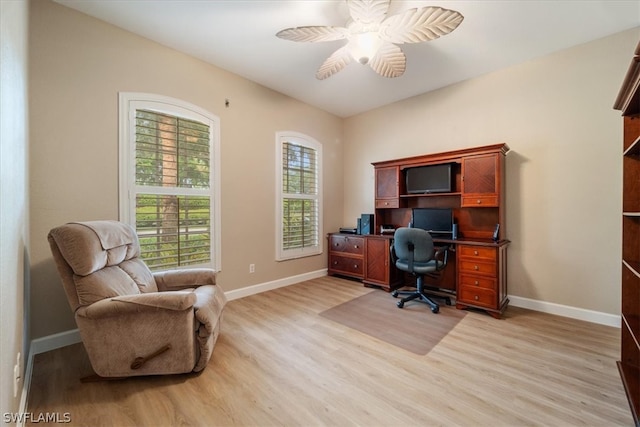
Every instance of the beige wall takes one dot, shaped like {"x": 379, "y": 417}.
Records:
{"x": 78, "y": 66}
{"x": 563, "y": 173}
{"x": 14, "y": 206}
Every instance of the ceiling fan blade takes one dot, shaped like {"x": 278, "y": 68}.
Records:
{"x": 336, "y": 62}
{"x": 389, "y": 61}
{"x": 318, "y": 33}
{"x": 368, "y": 11}
{"x": 419, "y": 25}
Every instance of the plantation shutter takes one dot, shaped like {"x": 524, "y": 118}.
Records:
{"x": 300, "y": 197}
{"x": 173, "y": 178}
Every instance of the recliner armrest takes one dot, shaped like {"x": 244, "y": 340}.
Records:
{"x": 117, "y": 306}
{"x": 182, "y": 279}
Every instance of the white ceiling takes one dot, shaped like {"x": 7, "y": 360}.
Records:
{"x": 239, "y": 36}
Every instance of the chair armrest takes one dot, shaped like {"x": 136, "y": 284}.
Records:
{"x": 209, "y": 307}
{"x": 140, "y": 303}
{"x": 442, "y": 255}
{"x": 115, "y": 333}
{"x": 182, "y": 279}
{"x": 392, "y": 253}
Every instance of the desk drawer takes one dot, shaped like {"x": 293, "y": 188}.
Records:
{"x": 480, "y": 200}
{"x": 346, "y": 265}
{"x": 477, "y": 267}
{"x": 476, "y": 296}
{"x": 347, "y": 244}
{"x": 477, "y": 252}
{"x": 478, "y": 282}
{"x": 387, "y": 203}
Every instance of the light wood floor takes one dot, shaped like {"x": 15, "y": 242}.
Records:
{"x": 278, "y": 362}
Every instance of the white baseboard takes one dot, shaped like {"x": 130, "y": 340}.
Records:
{"x": 26, "y": 384}
{"x": 42, "y": 345}
{"x": 567, "y": 311}
{"x": 275, "y": 284}
{"x": 51, "y": 342}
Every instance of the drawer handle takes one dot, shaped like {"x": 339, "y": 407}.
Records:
{"x": 386, "y": 203}
{"x": 335, "y": 262}
{"x": 356, "y": 246}
{"x": 355, "y": 266}
{"x": 475, "y": 252}
{"x": 479, "y": 201}
{"x": 475, "y": 267}
{"x": 476, "y": 297}
{"x": 337, "y": 244}
{"x": 476, "y": 283}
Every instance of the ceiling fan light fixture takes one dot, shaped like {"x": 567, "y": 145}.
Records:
{"x": 373, "y": 38}
{"x": 364, "y": 46}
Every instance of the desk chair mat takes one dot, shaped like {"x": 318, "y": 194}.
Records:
{"x": 414, "y": 328}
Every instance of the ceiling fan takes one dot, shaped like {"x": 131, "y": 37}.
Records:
{"x": 373, "y": 37}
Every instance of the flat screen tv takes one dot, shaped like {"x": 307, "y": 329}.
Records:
{"x": 437, "y": 221}
{"x": 429, "y": 179}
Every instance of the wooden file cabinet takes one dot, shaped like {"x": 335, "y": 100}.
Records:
{"x": 365, "y": 257}
{"x": 482, "y": 277}
{"x": 346, "y": 255}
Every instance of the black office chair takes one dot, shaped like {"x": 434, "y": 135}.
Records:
{"x": 413, "y": 252}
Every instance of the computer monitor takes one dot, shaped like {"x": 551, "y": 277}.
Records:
{"x": 437, "y": 221}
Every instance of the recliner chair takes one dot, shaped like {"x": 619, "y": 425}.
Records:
{"x": 134, "y": 322}
{"x": 413, "y": 251}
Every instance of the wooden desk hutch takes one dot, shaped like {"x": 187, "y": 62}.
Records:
{"x": 628, "y": 102}
{"x": 477, "y": 272}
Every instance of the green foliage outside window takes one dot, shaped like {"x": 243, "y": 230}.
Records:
{"x": 299, "y": 211}
{"x": 172, "y": 152}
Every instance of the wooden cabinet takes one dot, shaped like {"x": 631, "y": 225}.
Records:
{"x": 364, "y": 257}
{"x": 378, "y": 268}
{"x": 477, "y": 181}
{"x": 480, "y": 181}
{"x": 387, "y": 187}
{"x": 482, "y": 277}
{"x": 346, "y": 255}
{"x": 628, "y": 102}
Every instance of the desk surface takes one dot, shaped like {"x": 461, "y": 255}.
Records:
{"x": 475, "y": 242}
{"x": 460, "y": 241}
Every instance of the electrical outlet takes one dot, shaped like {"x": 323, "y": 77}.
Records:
{"x": 16, "y": 376}
{"x": 252, "y": 268}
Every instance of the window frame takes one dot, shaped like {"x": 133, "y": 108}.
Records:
{"x": 129, "y": 102}
{"x": 309, "y": 142}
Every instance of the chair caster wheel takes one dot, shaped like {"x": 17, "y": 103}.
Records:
{"x": 435, "y": 310}
{"x": 447, "y": 301}
{"x": 394, "y": 294}
{"x": 400, "y": 304}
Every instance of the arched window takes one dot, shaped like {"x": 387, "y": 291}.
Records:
{"x": 298, "y": 196}
{"x": 169, "y": 180}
